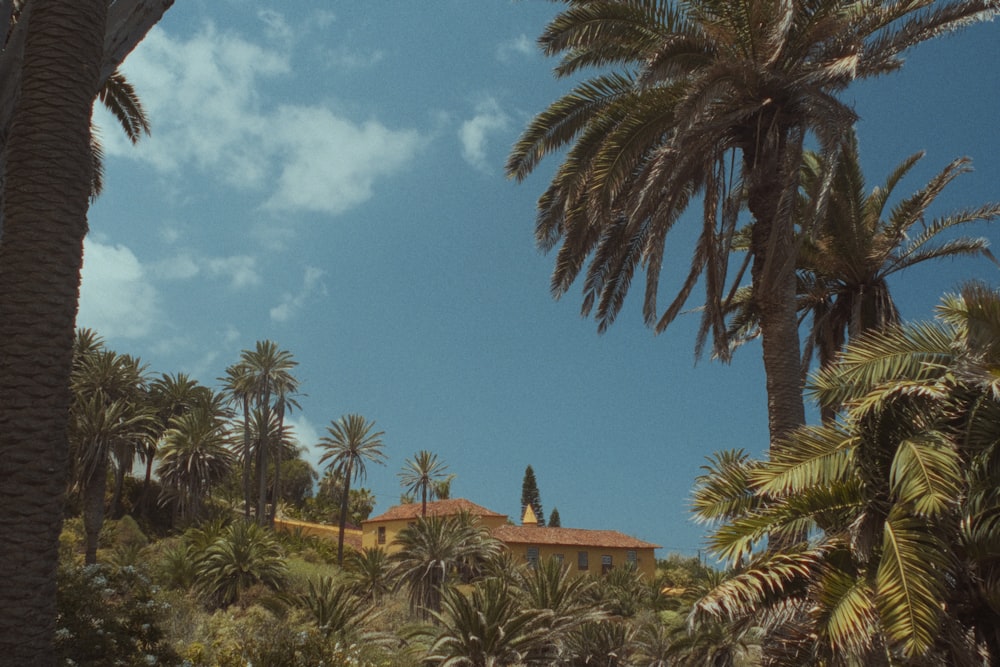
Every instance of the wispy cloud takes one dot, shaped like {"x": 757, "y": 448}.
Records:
{"x": 291, "y": 304}
{"x": 520, "y": 46}
{"x": 474, "y": 133}
{"x": 239, "y": 270}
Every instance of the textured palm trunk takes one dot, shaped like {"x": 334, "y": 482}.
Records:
{"x": 246, "y": 458}
{"x": 93, "y": 509}
{"x": 343, "y": 512}
{"x": 773, "y": 247}
{"x": 263, "y": 443}
{"x": 46, "y": 191}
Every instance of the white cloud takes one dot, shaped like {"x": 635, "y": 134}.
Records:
{"x": 474, "y": 133}
{"x": 116, "y": 298}
{"x": 239, "y": 270}
{"x": 329, "y": 164}
{"x": 519, "y": 46}
{"x": 203, "y": 96}
{"x": 276, "y": 26}
{"x": 306, "y": 434}
{"x": 291, "y": 304}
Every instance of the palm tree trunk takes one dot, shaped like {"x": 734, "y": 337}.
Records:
{"x": 246, "y": 457}
{"x": 262, "y": 446}
{"x": 93, "y": 510}
{"x": 343, "y": 513}
{"x": 773, "y": 247}
{"x": 46, "y": 191}
{"x": 146, "y": 484}
{"x": 276, "y": 487}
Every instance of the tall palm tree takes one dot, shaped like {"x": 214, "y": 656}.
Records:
{"x": 434, "y": 553}
{"x": 263, "y": 374}
{"x": 351, "y": 441}
{"x": 849, "y": 253}
{"x": 238, "y": 389}
{"x": 420, "y": 474}
{"x": 59, "y": 54}
{"x": 712, "y": 99}
{"x": 900, "y": 500}
{"x": 194, "y": 457}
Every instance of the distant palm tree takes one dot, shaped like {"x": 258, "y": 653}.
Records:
{"x": 107, "y": 417}
{"x": 194, "y": 457}
{"x": 171, "y": 396}
{"x": 349, "y": 443}
{"x": 261, "y": 376}
{"x": 420, "y": 474}
{"x": 436, "y": 552}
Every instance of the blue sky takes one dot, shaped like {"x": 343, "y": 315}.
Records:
{"x": 330, "y": 176}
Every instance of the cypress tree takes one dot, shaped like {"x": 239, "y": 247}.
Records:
{"x": 554, "y": 521}
{"x": 530, "y": 495}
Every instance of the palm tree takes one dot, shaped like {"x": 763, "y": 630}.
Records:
{"x": 700, "y": 84}
{"x": 171, "y": 397}
{"x": 487, "y": 628}
{"x": 195, "y": 456}
{"x": 263, "y": 374}
{"x": 243, "y": 556}
{"x": 238, "y": 390}
{"x": 337, "y": 612}
{"x": 107, "y": 416}
{"x": 900, "y": 500}
{"x": 349, "y": 444}
{"x": 420, "y": 474}
{"x": 567, "y": 599}
{"x": 848, "y": 254}
{"x": 369, "y": 572}
{"x": 58, "y": 54}
{"x": 436, "y": 551}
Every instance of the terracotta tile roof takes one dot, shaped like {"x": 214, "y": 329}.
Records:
{"x": 436, "y": 508}
{"x": 570, "y": 537}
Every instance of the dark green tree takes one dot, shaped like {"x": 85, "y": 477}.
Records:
{"x": 554, "y": 521}
{"x": 530, "y": 495}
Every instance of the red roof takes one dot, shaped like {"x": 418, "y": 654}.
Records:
{"x": 436, "y": 508}
{"x": 570, "y": 537}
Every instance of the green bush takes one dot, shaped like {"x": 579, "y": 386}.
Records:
{"x": 109, "y": 616}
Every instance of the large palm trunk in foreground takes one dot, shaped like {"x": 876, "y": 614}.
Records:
{"x": 48, "y": 178}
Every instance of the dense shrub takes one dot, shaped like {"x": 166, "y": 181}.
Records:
{"x": 109, "y": 616}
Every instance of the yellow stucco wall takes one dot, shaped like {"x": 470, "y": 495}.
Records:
{"x": 320, "y": 530}
{"x": 645, "y": 558}
{"x": 370, "y": 531}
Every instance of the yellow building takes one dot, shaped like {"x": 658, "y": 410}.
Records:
{"x": 380, "y": 531}
{"x": 585, "y": 551}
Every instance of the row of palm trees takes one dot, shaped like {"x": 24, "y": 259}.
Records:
{"x": 195, "y": 437}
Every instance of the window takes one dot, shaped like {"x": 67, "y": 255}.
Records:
{"x": 605, "y": 564}
{"x": 632, "y": 558}
{"x": 532, "y": 556}
{"x": 381, "y": 534}
{"x": 558, "y": 557}
{"x": 581, "y": 560}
